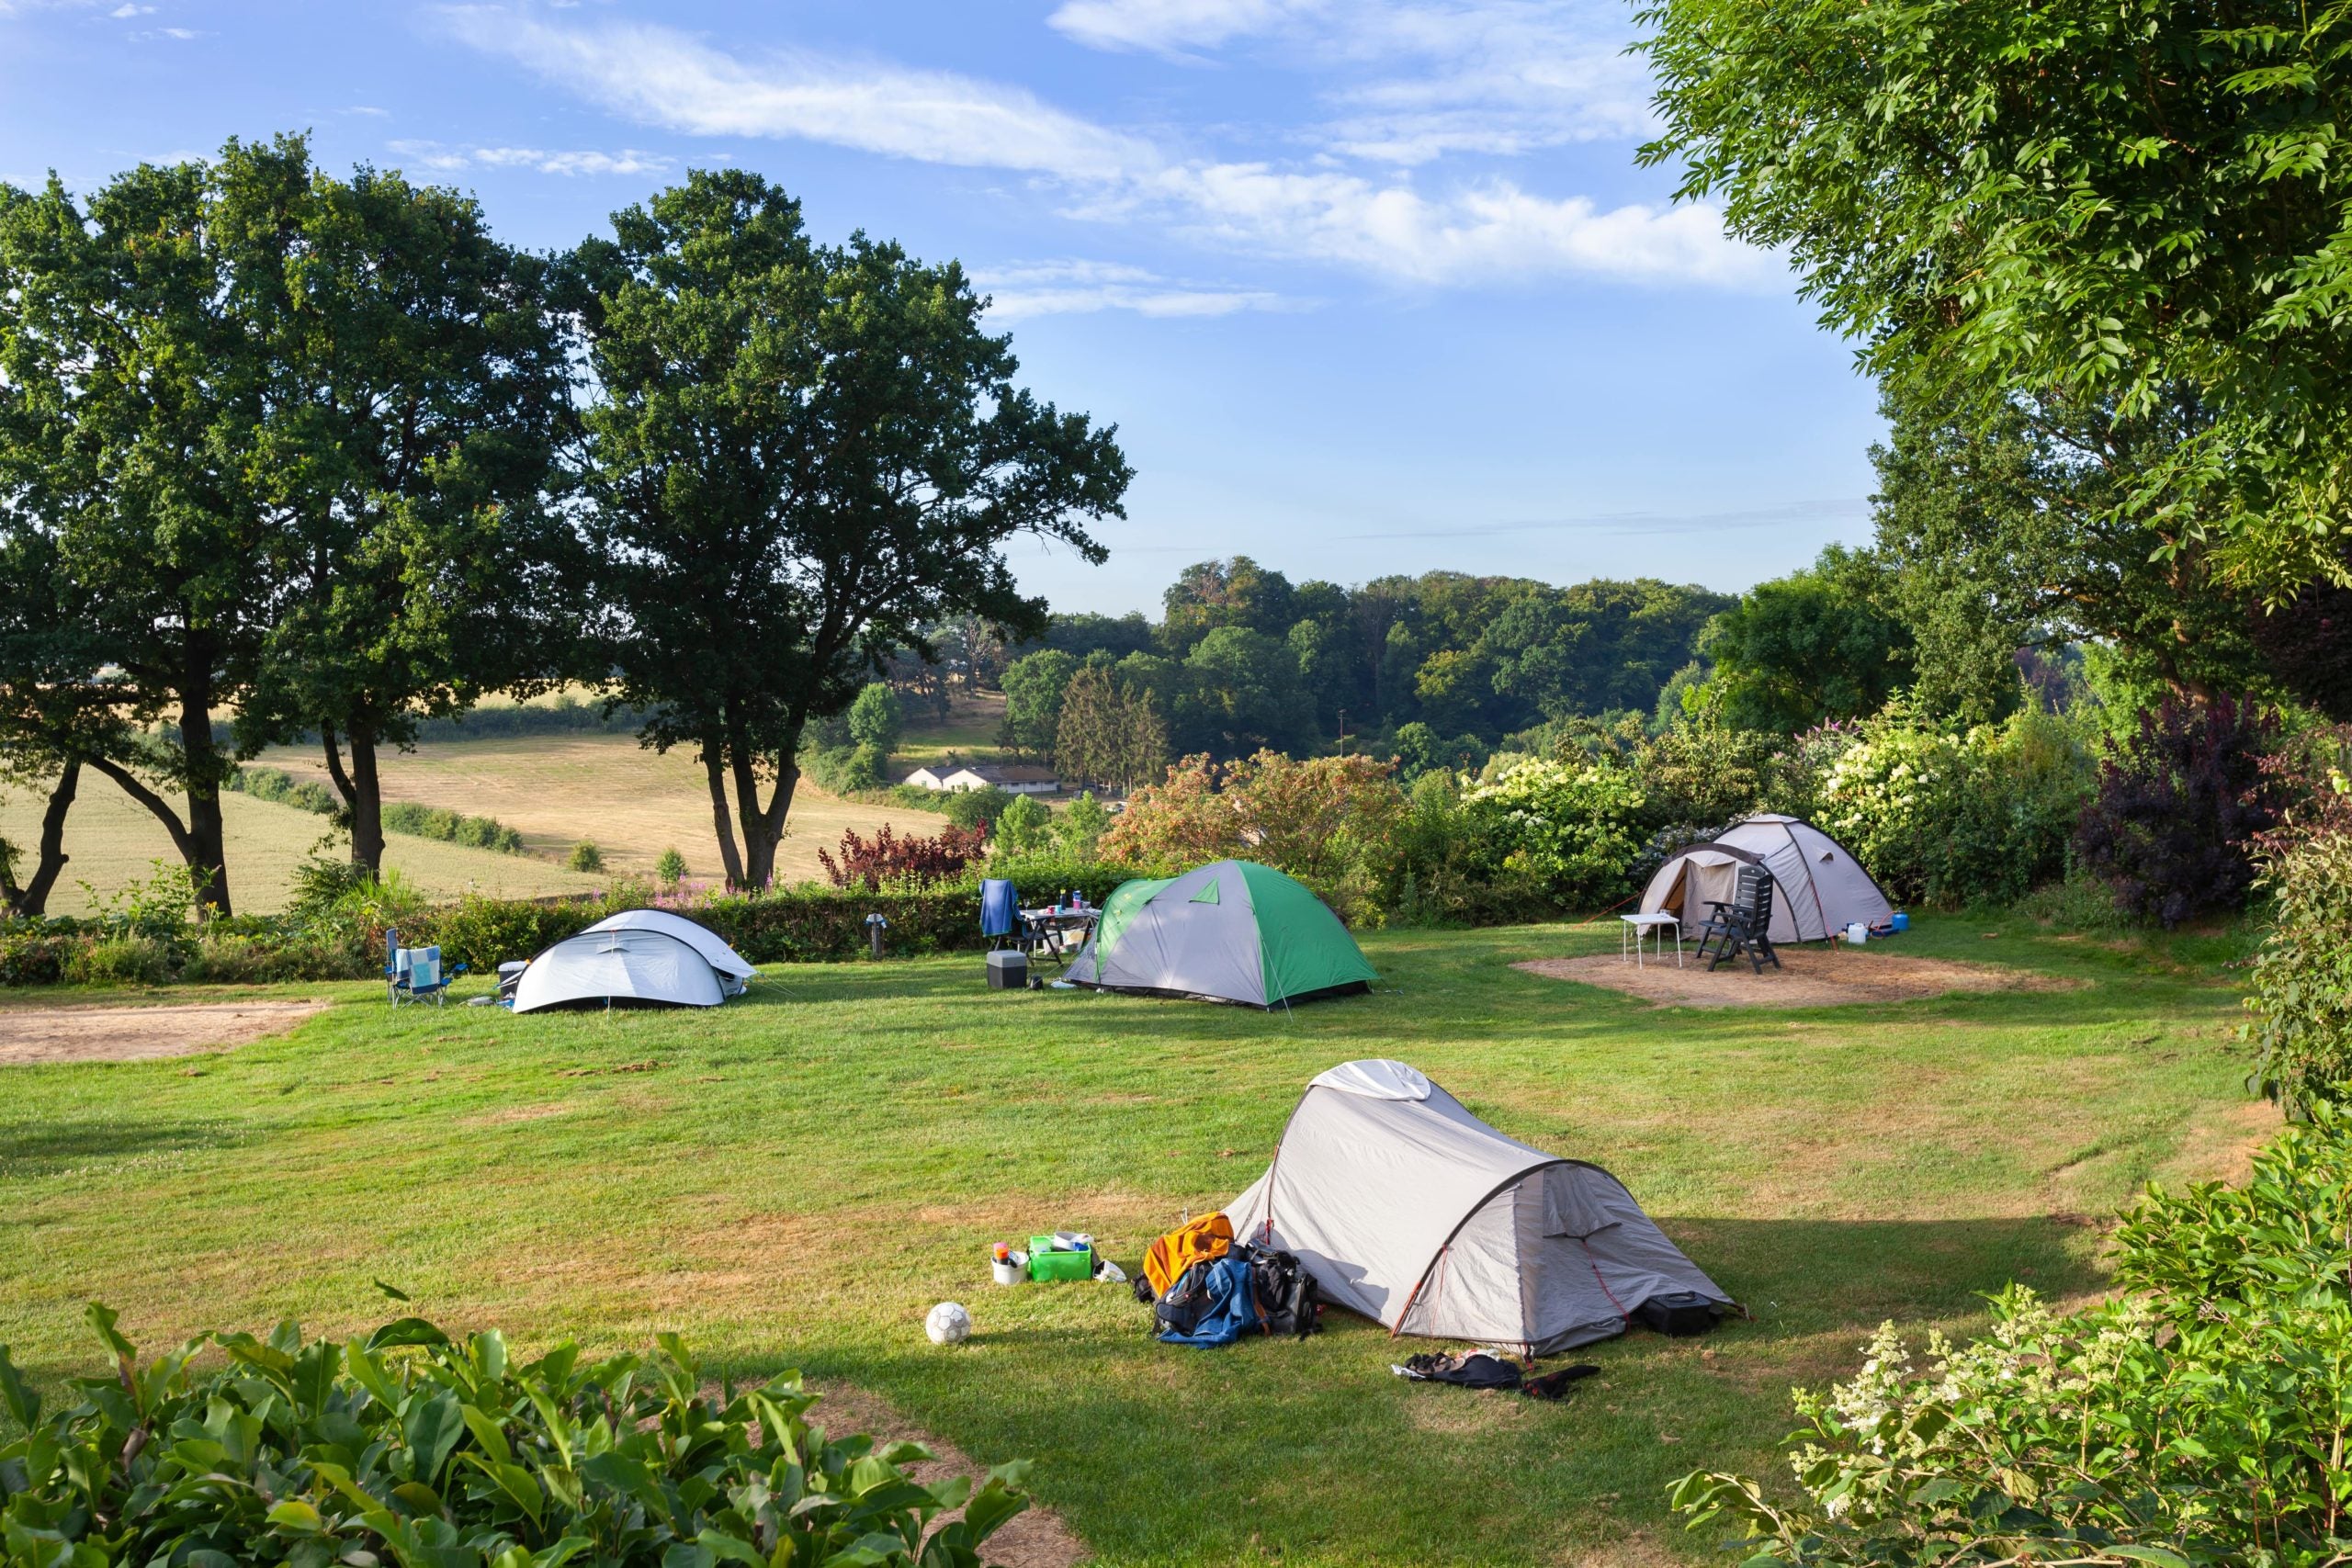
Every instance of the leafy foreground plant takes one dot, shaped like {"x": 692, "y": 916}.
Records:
{"x": 415, "y": 1448}
{"x": 2202, "y": 1418}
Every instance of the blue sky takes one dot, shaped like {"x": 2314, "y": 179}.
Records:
{"x": 1369, "y": 285}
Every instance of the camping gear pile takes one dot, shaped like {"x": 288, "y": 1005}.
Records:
{"x": 1821, "y": 886}
{"x": 1228, "y": 931}
{"x": 1236, "y": 1290}
{"x": 1063, "y": 1255}
{"x": 637, "y": 958}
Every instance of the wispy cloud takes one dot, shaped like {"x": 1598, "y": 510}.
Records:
{"x": 370, "y": 110}
{"x": 1393, "y": 226}
{"x": 666, "y": 77}
{"x": 1084, "y": 287}
{"x": 1174, "y": 27}
{"x": 445, "y": 158}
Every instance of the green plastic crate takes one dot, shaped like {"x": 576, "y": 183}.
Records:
{"x": 1044, "y": 1263}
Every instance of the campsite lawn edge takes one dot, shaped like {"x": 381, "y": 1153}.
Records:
{"x": 792, "y": 1180}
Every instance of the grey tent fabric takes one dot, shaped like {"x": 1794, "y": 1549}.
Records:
{"x": 625, "y": 967}
{"x": 732, "y": 967}
{"x": 1411, "y": 1211}
{"x": 1821, "y": 886}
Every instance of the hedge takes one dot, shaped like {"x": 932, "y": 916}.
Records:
{"x": 800, "y": 925}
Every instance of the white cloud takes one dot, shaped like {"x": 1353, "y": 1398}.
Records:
{"x": 1173, "y": 26}
{"x": 124, "y": 12}
{"x": 1082, "y": 288}
{"x": 666, "y": 77}
{"x": 446, "y": 159}
{"x": 1394, "y": 227}
{"x": 370, "y": 110}
{"x": 1488, "y": 231}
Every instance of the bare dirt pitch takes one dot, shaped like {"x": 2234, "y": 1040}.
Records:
{"x": 1809, "y": 977}
{"x": 1034, "y": 1537}
{"x": 47, "y": 1034}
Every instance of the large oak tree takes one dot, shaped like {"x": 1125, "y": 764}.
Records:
{"x": 801, "y": 456}
{"x": 419, "y": 390}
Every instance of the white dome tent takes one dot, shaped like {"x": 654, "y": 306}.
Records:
{"x": 625, "y": 968}
{"x": 732, "y": 968}
{"x": 1819, "y": 887}
{"x": 1411, "y": 1210}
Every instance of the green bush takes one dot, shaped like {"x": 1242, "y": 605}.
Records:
{"x": 585, "y": 856}
{"x": 1565, "y": 831}
{"x": 128, "y": 961}
{"x": 1024, "y": 827}
{"x": 2197, "y": 1419}
{"x": 1983, "y": 816}
{"x": 414, "y": 1448}
{"x": 2300, "y": 994}
{"x": 976, "y": 808}
{"x": 671, "y": 868}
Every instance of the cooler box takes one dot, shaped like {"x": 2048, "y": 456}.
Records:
{"x": 1008, "y": 971}
{"x": 1044, "y": 1263}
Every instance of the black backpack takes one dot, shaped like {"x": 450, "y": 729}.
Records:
{"x": 1285, "y": 1292}
{"x": 1179, "y": 1311}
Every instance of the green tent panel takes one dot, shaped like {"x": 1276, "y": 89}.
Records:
{"x": 1228, "y": 931}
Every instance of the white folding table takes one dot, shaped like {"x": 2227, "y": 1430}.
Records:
{"x": 1630, "y": 935}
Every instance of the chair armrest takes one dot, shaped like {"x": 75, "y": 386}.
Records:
{"x": 458, "y": 969}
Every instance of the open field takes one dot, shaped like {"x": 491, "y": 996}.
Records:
{"x": 794, "y": 1179}
{"x": 114, "y": 840}
{"x": 969, "y": 732}
{"x": 557, "y": 789}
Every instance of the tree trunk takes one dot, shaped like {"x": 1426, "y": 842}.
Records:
{"x": 763, "y": 826}
{"x": 362, "y": 794}
{"x": 207, "y": 851}
{"x": 714, "y": 771}
{"x": 32, "y": 899}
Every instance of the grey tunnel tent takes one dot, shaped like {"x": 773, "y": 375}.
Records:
{"x": 625, "y": 968}
{"x": 1820, "y": 886}
{"x": 1232, "y": 930}
{"x": 1411, "y": 1210}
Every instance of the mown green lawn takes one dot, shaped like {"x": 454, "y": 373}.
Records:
{"x": 794, "y": 1179}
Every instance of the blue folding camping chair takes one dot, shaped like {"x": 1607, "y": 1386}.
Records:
{"x": 414, "y": 974}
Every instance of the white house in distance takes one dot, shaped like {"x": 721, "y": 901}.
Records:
{"x": 984, "y": 775}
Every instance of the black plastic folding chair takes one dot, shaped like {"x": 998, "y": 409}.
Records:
{"x": 1741, "y": 926}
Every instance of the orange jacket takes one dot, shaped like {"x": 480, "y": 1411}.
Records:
{"x": 1209, "y": 1236}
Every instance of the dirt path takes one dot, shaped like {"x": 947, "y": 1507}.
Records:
{"x": 1809, "y": 977}
{"x": 30, "y": 1034}
{"x": 1036, "y": 1538}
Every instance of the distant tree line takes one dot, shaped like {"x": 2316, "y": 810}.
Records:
{"x": 1244, "y": 660}
{"x": 322, "y": 458}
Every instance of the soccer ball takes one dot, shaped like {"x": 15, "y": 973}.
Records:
{"x": 948, "y": 1324}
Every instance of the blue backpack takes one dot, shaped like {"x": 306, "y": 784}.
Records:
{"x": 1211, "y": 1303}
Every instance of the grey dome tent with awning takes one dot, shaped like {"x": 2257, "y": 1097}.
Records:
{"x": 1820, "y": 886}
{"x": 627, "y": 967}
{"x": 1411, "y": 1211}
{"x": 1232, "y": 930}
{"x": 732, "y": 968}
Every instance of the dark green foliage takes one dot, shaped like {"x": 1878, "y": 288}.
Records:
{"x": 585, "y": 856}
{"x": 273, "y": 784}
{"x": 2194, "y": 1421}
{"x": 2127, "y": 206}
{"x": 671, "y": 868}
{"x": 417, "y": 1449}
{"x": 1806, "y": 648}
{"x": 1034, "y": 686}
{"x": 803, "y": 456}
{"x": 877, "y": 719}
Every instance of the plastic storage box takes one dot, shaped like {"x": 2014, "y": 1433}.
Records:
{"x": 1008, "y": 971}
{"x": 1044, "y": 1263}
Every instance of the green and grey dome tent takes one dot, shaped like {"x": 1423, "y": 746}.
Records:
{"x": 1229, "y": 931}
